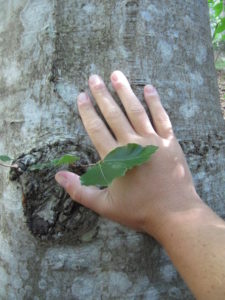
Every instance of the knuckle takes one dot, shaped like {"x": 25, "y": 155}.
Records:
{"x": 133, "y": 138}
{"x": 147, "y": 131}
{"x": 112, "y": 114}
{"x": 119, "y": 85}
{"x": 137, "y": 110}
{"x": 76, "y": 193}
{"x": 169, "y": 131}
{"x": 72, "y": 192}
{"x": 95, "y": 126}
{"x": 162, "y": 119}
{"x": 100, "y": 86}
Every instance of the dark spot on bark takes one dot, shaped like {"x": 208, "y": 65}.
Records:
{"x": 132, "y": 4}
{"x": 50, "y": 213}
{"x": 200, "y": 155}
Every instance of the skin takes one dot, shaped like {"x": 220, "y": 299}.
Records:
{"x": 158, "y": 197}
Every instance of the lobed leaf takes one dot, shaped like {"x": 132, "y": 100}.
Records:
{"x": 116, "y": 164}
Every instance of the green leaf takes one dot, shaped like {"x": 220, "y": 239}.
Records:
{"x": 39, "y": 166}
{"x": 116, "y": 164}
{"x": 5, "y": 158}
{"x": 221, "y": 26}
{"x": 64, "y": 160}
{"x": 218, "y": 8}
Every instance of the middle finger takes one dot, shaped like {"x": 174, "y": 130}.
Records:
{"x": 135, "y": 110}
{"x": 110, "y": 110}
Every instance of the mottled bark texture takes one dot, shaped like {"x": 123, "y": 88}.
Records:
{"x": 48, "y": 50}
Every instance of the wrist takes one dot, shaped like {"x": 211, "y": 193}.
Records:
{"x": 194, "y": 240}
{"x": 181, "y": 226}
{"x": 183, "y": 211}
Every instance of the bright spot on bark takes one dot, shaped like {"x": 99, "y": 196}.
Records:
{"x": 67, "y": 92}
{"x": 189, "y": 110}
{"x": 11, "y": 73}
{"x": 32, "y": 116}
{"x": 196, "y": 78}
{"x": 146, "y": 16}
{"x": 166, "y": 51}
{"x": 201, "y": 54}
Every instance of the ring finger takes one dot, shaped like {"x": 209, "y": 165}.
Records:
{"x": 135, "y": 110}
{"x": 112, "y": 113}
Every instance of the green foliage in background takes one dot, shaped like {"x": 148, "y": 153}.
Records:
{"x": 217, "y": 21}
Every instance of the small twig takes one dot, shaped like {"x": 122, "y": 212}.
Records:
{"x": 217, "y": 56}
{"x": 15, "y": 166}
{"x": 214, "y": 33}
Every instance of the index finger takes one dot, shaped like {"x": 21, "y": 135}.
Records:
{"x": 112, "y": 113}
{"x": 95, "y": 127}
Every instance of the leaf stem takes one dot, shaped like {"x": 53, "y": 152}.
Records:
{"x": 85, "y": 165}
{"x": 15, "y": 166}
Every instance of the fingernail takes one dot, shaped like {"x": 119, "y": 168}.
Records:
{"x": 94, "y": 79}
{"x": 149, "y": 89}
{"x": 82, "y": 97}
{"x": 61, "y": 179}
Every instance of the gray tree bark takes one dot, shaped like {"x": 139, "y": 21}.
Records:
{"x": 48, "y": 50}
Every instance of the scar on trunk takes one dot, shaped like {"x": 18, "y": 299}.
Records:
{"x": 51, "y": 215}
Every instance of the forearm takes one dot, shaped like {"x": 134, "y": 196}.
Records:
{"x": 195, "y": 242}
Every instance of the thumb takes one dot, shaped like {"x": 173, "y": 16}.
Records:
{"x": 91, "y": 197}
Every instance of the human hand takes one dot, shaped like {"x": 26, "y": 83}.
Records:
{"x": 150, "y": 194}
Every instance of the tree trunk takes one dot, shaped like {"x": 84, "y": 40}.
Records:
{"x": 51, "y": 248}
